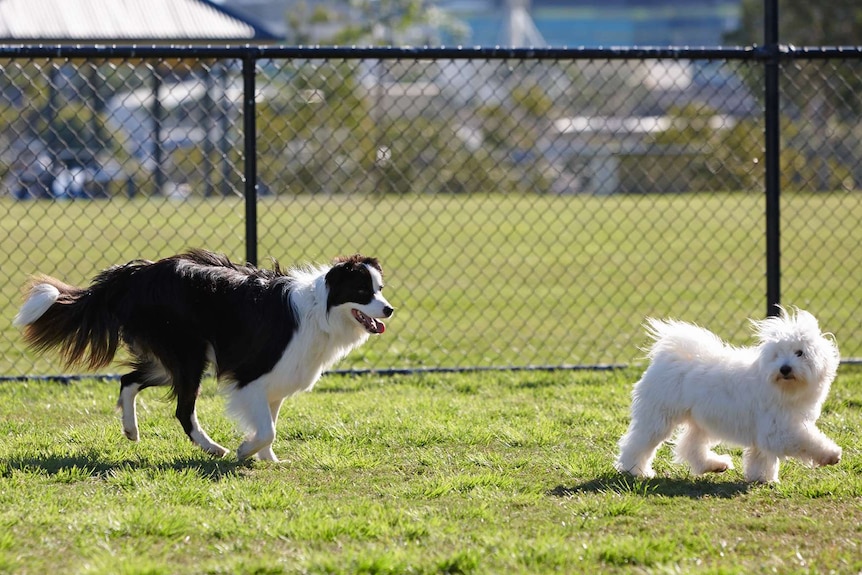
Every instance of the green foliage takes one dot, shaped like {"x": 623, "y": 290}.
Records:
{"x": 534, "y": 100}
{"x": 76, "y": 127}
{"x": 300, "y": 19}
{"x": 397, "y": 23}
{"x": 730, "y": 155}
{"x": 317, "y": 134}
{"x": 802, "y": 23}
{"x": 499, "y": 126}
{"x": 810, "y": 85}
{"x": 459, "y": 473}
{"x": 604, "y": 88}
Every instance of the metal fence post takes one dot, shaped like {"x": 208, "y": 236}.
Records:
{"x": 157, "y": 114}
{"x": 250, "y": 151}
{"x": 772, "y": 158}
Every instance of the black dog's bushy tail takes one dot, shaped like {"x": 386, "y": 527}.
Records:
{"x": 81, "y": 323}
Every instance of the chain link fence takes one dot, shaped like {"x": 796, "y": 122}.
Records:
{"x": 529, "y": 208}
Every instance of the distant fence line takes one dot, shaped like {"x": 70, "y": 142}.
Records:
{"x": 771, "y": 55}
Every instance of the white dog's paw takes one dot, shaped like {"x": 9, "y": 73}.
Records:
{"x": 267, "y": 454}
{"x": 763, "y": 479}
{"x": 636, "y": 470}
{"x": 831, "y": 457}
{"x": 718, "y": 464}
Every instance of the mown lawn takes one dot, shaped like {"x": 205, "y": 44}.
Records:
{"x": 479, "y": 280}
{"x": 492, "y": 472}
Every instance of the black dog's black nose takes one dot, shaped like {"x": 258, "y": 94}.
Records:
{"x": 785, "y": 370}
{"x": 387, "y": 311}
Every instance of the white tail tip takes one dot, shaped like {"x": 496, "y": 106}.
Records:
{"x": 42, "y": 297}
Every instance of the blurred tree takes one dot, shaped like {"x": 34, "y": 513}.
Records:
{"x": 301, "y": 21}
{"x": 399, "y": 22}
{"x": 828, "y": 89}
{"x": 803, "y": 23}
{"x": 822, "y": 93}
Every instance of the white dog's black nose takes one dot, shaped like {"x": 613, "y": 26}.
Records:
{"x": 785, "y": 370}
{"x": 387, "y": 311}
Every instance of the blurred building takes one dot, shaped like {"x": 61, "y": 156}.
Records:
{"x": 572, "y": 23}
{"x": 594, "y": 23}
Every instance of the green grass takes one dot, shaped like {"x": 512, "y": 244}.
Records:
{"x": 436, "y": 473}
{"x": 487, "y": 279}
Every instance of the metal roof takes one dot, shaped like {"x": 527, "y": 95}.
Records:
{"x": 123, "y": 21}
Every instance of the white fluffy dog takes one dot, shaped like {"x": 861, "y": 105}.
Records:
{"x": 765, "y": 398}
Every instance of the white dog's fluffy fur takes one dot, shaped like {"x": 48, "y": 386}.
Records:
{"x": 765, "y": 398}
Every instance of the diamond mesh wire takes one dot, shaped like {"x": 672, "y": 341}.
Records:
{"x": 526, "y": 211}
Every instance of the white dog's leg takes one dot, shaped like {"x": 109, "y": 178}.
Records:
{"x": 638, "y": 446}
{"x": 760, "y": 465}
{"x": 812, "y": 446}
{"x": 694, "y": 446}
{"x": 254, "y": 411}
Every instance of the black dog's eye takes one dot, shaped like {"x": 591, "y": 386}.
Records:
{"x": 799, "y": 353}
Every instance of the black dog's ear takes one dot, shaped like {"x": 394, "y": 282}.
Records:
{"x": 338, "y": 270}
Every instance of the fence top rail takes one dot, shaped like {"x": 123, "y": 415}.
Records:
{"x": 266, "y": 51}
{"x": 821, "y": 52}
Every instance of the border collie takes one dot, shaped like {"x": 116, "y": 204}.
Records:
{"x": 268, "y": 333}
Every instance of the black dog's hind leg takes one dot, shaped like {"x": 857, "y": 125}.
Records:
{"x": 187, "y": 384}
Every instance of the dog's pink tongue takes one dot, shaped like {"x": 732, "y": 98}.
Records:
{"x": 379, "y": 326}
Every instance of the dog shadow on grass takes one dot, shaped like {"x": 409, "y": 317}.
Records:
{"x": 693, "y": 488}
{"x": 78, "y": 467}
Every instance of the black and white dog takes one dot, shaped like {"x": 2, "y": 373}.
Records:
{"x": 268, "y": 333}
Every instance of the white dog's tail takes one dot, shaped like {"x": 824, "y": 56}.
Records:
{"x": 41, "y": 297}
{"x": 682, "y": 340}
